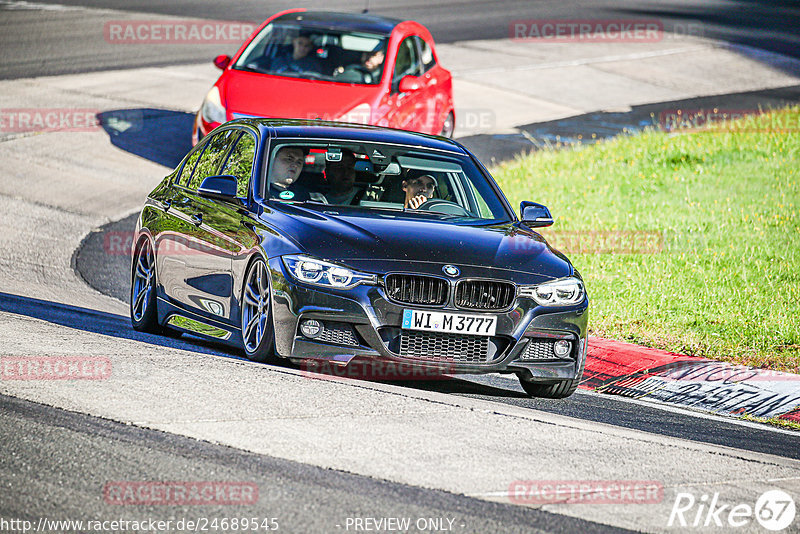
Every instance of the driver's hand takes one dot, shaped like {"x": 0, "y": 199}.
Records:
{"x": 417, "y": 201}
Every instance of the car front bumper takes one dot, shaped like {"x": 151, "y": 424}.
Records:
{"x": 363, "y": 324}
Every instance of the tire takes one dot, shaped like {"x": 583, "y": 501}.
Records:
{"x": 258, "y": 333}
{"x": 143, "y": 307}
{"x": 558, "y": 390}
{"x": 448, "y": 126}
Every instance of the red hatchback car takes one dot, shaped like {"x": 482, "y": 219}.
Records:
{"x": 345, "y": 67}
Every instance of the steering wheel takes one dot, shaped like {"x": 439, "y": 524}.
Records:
{"x": 354, "y": 74}
{"x": 439, "y": 205}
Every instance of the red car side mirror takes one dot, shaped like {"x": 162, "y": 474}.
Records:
{"x": 409, "y": 84}
{"x": 222, "y": 61}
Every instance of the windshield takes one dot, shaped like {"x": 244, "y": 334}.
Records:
{"x": 290, "y": 49}
{"x": 398, "y": 181}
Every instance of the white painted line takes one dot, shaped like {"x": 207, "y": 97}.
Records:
{"x": 21, "y": 5}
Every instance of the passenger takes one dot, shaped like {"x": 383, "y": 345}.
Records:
{"x": 418, "y": 190}
{"x": 285, "y": 170}
{"x": 341, "y": 179}
{"x": 299, "y": 60}
{"x": 368, "y": 71}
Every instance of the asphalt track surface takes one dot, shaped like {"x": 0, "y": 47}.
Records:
{"x": 61, "y": 37}
{"x": 71, "y": 453}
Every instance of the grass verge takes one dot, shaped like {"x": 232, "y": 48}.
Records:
{"x": 689, "y": 241}
{"x": 774, "y": 421}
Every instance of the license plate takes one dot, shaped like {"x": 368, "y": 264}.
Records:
{"x": 455, "y": 323}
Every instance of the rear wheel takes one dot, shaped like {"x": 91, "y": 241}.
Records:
{"x": 144, "y": 314}
{"x": 258, "y": 335}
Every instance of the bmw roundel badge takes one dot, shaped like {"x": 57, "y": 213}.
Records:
{"x": 451, "y": 270}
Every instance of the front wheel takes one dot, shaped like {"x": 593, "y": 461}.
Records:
{"x": 560, "y": 390}
{"x": 556, "y": 390}
{"x": 258, "y": 335}
{"x": 144, "y": 315}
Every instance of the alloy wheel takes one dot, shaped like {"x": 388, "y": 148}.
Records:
{"x": 143, "y": 281}
{"x": 256, "y": 307}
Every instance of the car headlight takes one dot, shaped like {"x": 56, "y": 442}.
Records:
{"x": 563, "y": 292}
{"x": 321, "y": 273}
{"x": 212, "y": 109}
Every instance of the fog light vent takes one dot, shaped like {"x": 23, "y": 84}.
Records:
{"x": 561, "y": 348}
{"x": 546, "y": 349}
{"x": 311, "y": 328}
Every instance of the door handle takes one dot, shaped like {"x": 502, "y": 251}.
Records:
{"x": 197, "y": 219}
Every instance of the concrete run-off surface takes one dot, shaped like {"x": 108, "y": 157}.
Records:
{"x": 56, "y": 187}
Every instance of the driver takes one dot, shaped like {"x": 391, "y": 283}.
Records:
{"x": 367, "y": 71}
{"x": 285, "y": 170}
{"x": 418, "y": 190}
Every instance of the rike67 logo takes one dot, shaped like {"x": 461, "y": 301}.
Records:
{"x": 774, "y": 510}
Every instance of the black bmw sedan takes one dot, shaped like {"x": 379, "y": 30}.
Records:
{"x": 324, "y": 242}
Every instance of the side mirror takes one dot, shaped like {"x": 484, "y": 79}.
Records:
{"x": 222, "y": 61}
{"x": 409, "y": 84}
{"x": 534, "y": 215}
{"x": 219, "y": 187}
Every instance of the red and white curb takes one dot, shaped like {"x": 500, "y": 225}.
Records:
{"x": 619, "y": 368}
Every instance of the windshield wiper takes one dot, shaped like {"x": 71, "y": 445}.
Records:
{"x": 306, "y": 74}
{"x": 247, "y": 68}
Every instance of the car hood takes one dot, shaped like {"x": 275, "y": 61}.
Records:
{"x": 381, "y": 244}
{"x": 264, "y": 95}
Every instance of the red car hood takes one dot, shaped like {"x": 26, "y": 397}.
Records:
{"x": 263, "y": 95}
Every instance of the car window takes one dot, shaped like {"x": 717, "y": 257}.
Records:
{"x": 426, "y": 54}
{"x": 210, "y": 160}
{"x": 240, "y": 163}
{"x": 188, "y": 167}
{"x": 300, "y": 49}
{"x": 385, "y": 180}
{"x": 407, "y": 63}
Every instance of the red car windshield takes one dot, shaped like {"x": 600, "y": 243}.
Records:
{"x": 290, "y": 49}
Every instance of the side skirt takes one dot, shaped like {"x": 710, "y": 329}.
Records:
{"x": 191, "y": 323}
